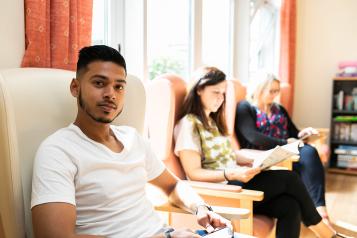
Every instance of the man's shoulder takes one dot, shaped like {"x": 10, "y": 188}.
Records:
{"x": 127, "y": 130}
{"x": 127, "y": 134}
{"x": 60, "y": 135}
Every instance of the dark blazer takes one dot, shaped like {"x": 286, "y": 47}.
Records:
{"x": 248, "y": 134}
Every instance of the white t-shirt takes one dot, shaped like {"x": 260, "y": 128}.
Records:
{"x": 185, "y": 138}
{"x": 107, "y": 188}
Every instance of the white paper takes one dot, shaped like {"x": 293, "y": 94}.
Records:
{"x": 276, "y": 155}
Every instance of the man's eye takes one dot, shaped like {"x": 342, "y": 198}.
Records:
{"x": 98, "y": 83}
{"x": 119, "y": 87}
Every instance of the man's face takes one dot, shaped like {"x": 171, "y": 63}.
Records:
{"x": 100, "y": 91}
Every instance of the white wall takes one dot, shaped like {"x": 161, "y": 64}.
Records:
{"x": 327, "y": 34}
{"x": 12, "y": 33}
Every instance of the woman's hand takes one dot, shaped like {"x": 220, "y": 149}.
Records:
{"x": 245, "y": 157}
{"x": 291, "y": 140}
{"x": 306, "y": 132}
{"x": 243, "y": 174}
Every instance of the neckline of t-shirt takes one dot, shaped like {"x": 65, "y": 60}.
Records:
{"x": 116, "y": 154}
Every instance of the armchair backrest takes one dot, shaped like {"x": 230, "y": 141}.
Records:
{"x": 285, "y": 94}
{"x": 235, "y": 93}
{"x": 165, "y": 96}
{"x": 34, "y": 103}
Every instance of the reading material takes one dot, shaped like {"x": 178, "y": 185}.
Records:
{"x": 271, "y": 157}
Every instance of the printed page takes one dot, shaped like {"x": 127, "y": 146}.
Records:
{"x": 293, "y": 147}
{"x": 276, "y": 155}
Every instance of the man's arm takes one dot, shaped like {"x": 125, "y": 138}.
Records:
{"x": 186, "y": 198}
{"x": 55, "y": 220}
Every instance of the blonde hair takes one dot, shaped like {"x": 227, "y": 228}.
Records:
{"x": 263, "y": 86}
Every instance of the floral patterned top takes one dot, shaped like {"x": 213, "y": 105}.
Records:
{"x": 275, "y": 125}
{"x": 216, "y": 149}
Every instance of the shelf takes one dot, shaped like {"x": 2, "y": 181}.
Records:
{"x": 343, "y": 142}
{"x": 345, "y": 78}
{"x": 342, "y": 171}
{"x": 344, "y": 112}
{"x": 342, "y": 123}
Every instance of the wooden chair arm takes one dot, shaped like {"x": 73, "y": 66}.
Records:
{"x": 244, "y": 194}
{"x": 229, "y": 213}
{"x": 214, "y": 186}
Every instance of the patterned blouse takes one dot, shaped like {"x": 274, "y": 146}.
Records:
{"x": 216, "y": 150}
{"x": 275, "y": 126}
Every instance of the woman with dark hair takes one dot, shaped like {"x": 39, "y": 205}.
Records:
{"x": 264, "y": 124}
{"x": 206, "y": 154}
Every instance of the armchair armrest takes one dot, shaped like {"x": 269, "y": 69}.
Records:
{"x": 229, "y": 213}
{"x": 244, "y": 194}
{"x": 220, "y": 190}
{"x": 214, "y": 186}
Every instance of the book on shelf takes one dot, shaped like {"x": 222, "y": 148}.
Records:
{"x": 346, "y": 150}
{"x": 339, "y": 100}
{"x": 271, "y": 157}
{"x": 345, "y": 119}
{"x": 345, "y": 131}
{"x": 347, "y": 161}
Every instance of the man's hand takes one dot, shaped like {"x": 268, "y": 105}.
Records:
{"x": 211, "y": 220}
{"x": 243, "y": 174}
{"x": 184, "y": 233}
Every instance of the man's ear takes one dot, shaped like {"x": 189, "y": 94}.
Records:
{"x": 74, "y": 87}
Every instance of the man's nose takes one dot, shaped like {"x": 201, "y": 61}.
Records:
{"x": 109, "y": 92}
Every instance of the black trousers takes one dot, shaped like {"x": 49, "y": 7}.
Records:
{"x": 285, "y": 198}
{"x": 312, "y": 173}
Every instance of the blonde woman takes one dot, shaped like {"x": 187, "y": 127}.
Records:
{"x": 264, "y": 124}
{"x": 207, "y": 155}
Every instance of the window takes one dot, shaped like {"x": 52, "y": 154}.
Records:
{"x": 216, "y": 33}
{"x": 168, "y": 37}
{"x": 264, "y": 37}
{"x": 100, "y": 22}
{"x": 175, "y": 36}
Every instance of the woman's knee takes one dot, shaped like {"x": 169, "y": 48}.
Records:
{"x": 309, "y": 151}
{"x": 309, "y": 156}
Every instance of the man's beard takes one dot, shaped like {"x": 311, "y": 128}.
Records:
{"x": 97, "y": 119}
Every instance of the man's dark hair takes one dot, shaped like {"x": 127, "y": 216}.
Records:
{"x": 94, "y": 53}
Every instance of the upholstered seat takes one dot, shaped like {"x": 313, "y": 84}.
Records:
{"x": 165, "y": 96}
{"x": 34, "y": 103}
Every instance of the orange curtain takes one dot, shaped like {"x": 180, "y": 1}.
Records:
{"x": 288, "y": 49}
{"x": 55, "y": 31}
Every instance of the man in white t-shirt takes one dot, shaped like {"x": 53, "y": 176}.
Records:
{"x": 89, "y": 178}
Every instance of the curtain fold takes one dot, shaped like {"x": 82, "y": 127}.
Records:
{"x": 55, "y": 31}
{"x": 288, "y": 49}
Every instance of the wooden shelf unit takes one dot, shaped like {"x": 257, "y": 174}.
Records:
{"x": 340, "y": 136}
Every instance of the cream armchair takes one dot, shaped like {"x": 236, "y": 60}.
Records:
{"x": 33, "y": 104}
